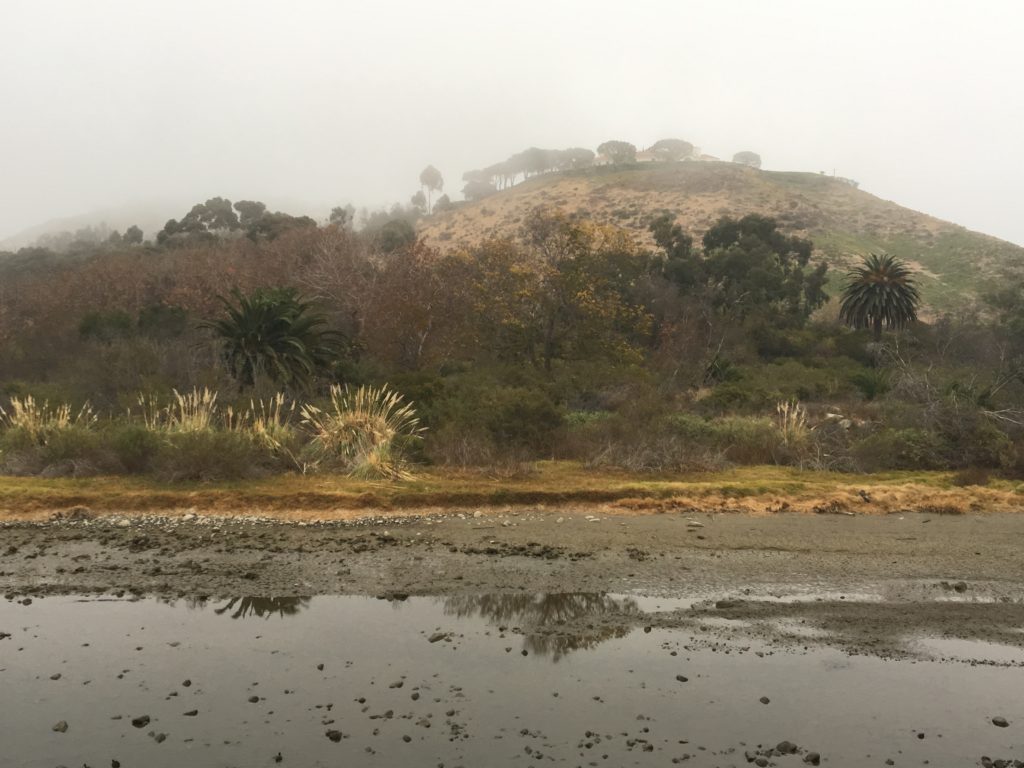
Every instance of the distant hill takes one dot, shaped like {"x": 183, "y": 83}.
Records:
{"x": 844, "y": 222}
{"x": 150, "y": 217}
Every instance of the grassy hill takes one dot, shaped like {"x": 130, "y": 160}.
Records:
{"x": 955, "y": 264}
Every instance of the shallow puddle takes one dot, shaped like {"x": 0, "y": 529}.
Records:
{"x": 488, "y": 680}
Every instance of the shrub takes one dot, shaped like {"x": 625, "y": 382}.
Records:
{"x": 208, "y": 455}
{"x": 900, "y": 449}
{"x": 366, "y": 432}
{"x": 134, "y": 445}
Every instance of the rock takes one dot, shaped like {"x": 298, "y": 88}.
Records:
{"x": 478, "y": 514}
{"x": 397, "y": 684}
{"x": 437, "y": 637}
{"x": 191, "y": 713}
{"x": 123, "y": 523}
{"x": 320, "y": 667}
{"x": 160, "y": 738}
{"x": 55, "y": 677}
{"x": 334, "y": 736}
{"x": 61, "y": 727}
{"x": 407, "y": 739}
{"x": 1000, "y": 722}
{"x": 682, "y": 679}
{"x": 812, "y": 758}
{"x": 278, "y": 758}
{"x": 786, "y": 748}
{"x": 761, "y": 762}
{"x": 765, "y": 700}
{"x": 726, "y": 604}
{"x": 141, "y": 721}
{"x": 186, "y": 683}
{"x": 254, "y": 699}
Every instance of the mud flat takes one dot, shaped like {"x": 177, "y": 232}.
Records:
{"x": 522, "y": 636}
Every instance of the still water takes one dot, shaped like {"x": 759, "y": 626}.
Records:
{"x": 478, "y": 680}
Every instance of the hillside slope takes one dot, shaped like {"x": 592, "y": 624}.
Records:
{"x": 955, "y": 264}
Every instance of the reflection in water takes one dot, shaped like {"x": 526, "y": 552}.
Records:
{"x": 262, "y": 607}
{"x": 552, "y": 624}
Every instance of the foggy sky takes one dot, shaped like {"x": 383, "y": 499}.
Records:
{"x": 325, "y": 103}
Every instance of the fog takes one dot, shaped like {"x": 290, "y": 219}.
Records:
{"x": 312, "y": 104}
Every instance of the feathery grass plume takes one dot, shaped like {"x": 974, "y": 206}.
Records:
{"x": 367, "y": 431}
{"x": 192, "y": 412}
{"x": 792, "y": 423}
{"x": 39, "y": 422}
{"x": 151, "y": 412}
{"x": 269, "y": 421}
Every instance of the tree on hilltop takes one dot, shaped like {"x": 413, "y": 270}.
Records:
{"x": 432, "y": 181}
{"x": 618, "y": 152}
{"x": 668, "y": 150}
{"x": 747, "y": 158}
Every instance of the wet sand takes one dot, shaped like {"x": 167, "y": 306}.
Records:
{"x": 955, "y": 575}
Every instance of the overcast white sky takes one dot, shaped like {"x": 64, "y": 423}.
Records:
{"x": 104, "y": 102}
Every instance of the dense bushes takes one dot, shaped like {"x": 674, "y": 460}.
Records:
{"x": 365, "y": 432}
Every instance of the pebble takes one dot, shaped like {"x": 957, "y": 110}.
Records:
{"x": 141, "y": 721}
{"x": 765, "y": 700}
{"x": 61, "y": 727}
{"x": 1000, "y": 722}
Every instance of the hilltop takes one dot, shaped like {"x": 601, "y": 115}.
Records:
{"x": 844, "y": 222}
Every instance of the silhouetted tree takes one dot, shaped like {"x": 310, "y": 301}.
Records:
{"x": 672, "y": 149}
{"x": 432, "y": 182}
{"x": 132, "y": 236}
{"x": 618, "y": 152}
{"x": 249, "y": 212}
{"x": 747, "y": 158}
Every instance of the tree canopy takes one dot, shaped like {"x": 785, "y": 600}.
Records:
{"x": 618, "y": 152}
{"x": 880, "y": 292}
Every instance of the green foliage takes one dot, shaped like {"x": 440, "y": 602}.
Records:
{"x": 872, "y": 383}
{"x": 275, "y": 333}
{"x": 900, "y": 449}
{"x": 106, "y": 326}
{"x": 208, "y": 455}
{"x": 134, "y": 445}
{"x": 880, "y": 292}
{"x": 395, "y": 235}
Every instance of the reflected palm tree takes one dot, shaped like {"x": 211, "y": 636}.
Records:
{"x": 553, "y": 624}
{"x": 262, "y": 607}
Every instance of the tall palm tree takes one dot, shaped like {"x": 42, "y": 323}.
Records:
{"x": 274, "y": 333}
{"x": 880, "y": 291}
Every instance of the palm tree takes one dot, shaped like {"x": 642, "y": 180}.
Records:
{"x": 274, "y": 333}
{"x": 880, "y": 291}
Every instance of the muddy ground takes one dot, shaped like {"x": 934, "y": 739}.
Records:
{"x": 867, "y": 580}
